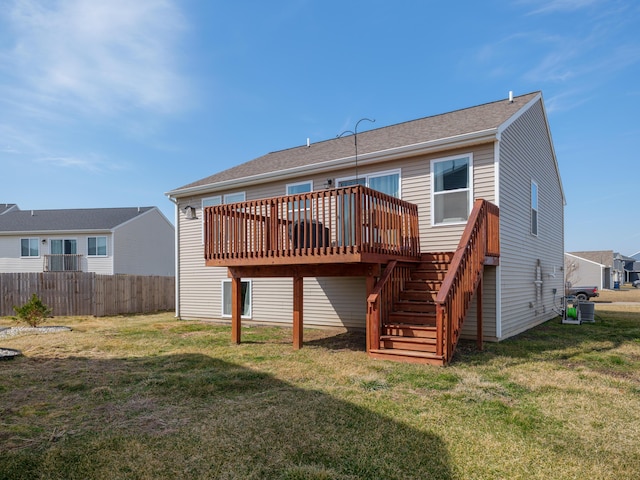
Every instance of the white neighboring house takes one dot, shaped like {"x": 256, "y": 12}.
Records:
{"x": 130, "y": 240}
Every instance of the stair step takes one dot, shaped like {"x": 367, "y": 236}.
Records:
{"x": 444, "y": 257}
{"x": 419, "y": 344}
{"x": 413, "y": 318}
{"x": 418, "y": 295}
{"x": 409, "y": 356}
{"x": 408, "y": 330}
{"x": 423, "y": 285}
{"x": 428, "y": 274}
{"x": 414, "y": 306}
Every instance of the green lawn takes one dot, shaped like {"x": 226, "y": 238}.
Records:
{"x": 151, "y": 397}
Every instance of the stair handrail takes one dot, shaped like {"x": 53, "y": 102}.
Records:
{"x": 463, "y": 275}
{"x": 373, "y": 307}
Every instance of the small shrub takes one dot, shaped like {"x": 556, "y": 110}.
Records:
{"x": 33, "y": 313}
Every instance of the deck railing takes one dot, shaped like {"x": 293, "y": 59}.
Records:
{"x": 479, "y": 240}
{"x": 63, "y": 263}
{"x": 344, "y": 224}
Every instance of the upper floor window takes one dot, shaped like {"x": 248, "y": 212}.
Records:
{"x": 534, "y": 208}
{"x": 29, "y": 247}
{"x": 297, "y": 208}
{"x": 451, "y": 194}
{"x": 385, "y": 182}
{"x": 97, "y": 247}
{"x": 219, "y": 200}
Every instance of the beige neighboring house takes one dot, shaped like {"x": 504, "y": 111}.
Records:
{"x": 601, "y": 268}
{"x": 108, "y": 241}
{"x": 338, "y": 229}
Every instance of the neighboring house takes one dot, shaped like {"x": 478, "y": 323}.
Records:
{"x": 603, "y": 268}
{"x": 8, "y": 207}
{"x": 581, "y": 271}
{"x": 136, "y": 241}
{"x": 406, "y": 263}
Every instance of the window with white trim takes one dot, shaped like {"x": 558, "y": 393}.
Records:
{"x": 534, "y": 208}
{"x": 97, "y": 246}
{"x": 293, "y": 207}
{"x": 219, "y": 200}
{"x": 451, "y": 194}
{"x": 386, "y": 182}
{"x": 227, "y": 308}
{"x": 29, "y": 247}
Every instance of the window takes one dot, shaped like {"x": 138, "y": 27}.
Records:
{"x": 451, "y": 190}
{"x": 218, "y": 200}
{"x": 534, "y": 208}
{"x": 29, "y": 247}
{"x": 246, "y": 299}
{"x": 97, "y": 247}
{"x": 385, "y": 182}
{"x": 63, "y": 256}
{"x": 296, "y": 207}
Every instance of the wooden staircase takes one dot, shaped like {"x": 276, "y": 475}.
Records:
{"x": 409, "y": 331}
{"x": 415, "y": 311}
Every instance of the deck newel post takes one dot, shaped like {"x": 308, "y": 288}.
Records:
{"x": 439, "y": 330}
{"x": 373, "y": 318}
{"x": 479, "y": 334}
{"x": 236, "y": 308}
{"x": 298, "y": 287}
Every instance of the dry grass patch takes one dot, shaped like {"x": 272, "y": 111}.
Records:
{"x": 152, "y": 397}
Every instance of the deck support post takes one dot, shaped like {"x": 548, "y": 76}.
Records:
{"x": 236, "y": 308}
{"x": 479, "y": 332}
{"x": 298, "y": 288}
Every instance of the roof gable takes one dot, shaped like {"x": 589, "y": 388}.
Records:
{"x": 66, "y": 220}
{"x": 481, "y": 118}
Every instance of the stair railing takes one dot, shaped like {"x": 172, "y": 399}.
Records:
{"x": 479, "y": 240}
{"x": 381, "y": 298}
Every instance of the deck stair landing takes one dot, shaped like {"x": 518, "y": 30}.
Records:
{"x": 409, "y": 333}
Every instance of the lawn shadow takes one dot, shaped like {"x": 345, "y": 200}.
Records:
{"x": 353, "y": 340}
{"x": 195, "y": 416}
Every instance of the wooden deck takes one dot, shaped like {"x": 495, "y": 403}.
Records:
{"x": 416, "y": 303}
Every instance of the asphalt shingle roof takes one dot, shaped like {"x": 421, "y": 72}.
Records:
{"x": 469, "y": 120}
{"x": 67, "y": 219}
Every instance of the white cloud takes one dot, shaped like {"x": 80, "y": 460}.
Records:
{"x": 552, "y": 6}
{"x": 96, "y": 57}
{"x": 91, "y": 163}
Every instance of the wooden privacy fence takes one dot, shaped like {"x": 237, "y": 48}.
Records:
{"x": 83, "y": 293}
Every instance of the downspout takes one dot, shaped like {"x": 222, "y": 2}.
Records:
{"x": 177, "y": 256}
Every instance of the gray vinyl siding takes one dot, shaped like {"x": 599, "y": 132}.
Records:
{"x": 10, "y": 260}
{"x": 489, "y": 308}
{"x": 526, "y": 154}
{"x": 144, "y": 246}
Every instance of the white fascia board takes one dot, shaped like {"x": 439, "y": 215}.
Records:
{"x": 459, "y": 141}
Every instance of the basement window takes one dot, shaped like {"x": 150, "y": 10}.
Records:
{"x": 246, "y": 298}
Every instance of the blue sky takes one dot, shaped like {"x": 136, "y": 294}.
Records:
{"x": 114, "y": 103}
